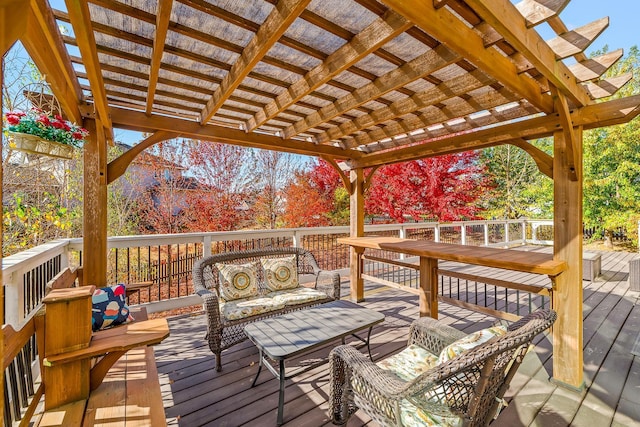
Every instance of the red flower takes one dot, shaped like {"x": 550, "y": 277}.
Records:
{"x": 77, "y": 135}
{"x": 13, "y": 119}
{"x": 44, "y": 120}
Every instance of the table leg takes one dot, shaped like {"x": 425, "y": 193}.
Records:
{"x": 368, "y": 341}
{"x": 259, "y": 369}
{"x": 281, "y": 393}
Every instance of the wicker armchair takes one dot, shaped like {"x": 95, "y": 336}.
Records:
{"x": 223, "y": 333}
{"x": 466, "y": 390}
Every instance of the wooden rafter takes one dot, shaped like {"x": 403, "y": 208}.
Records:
{"x": 592, "y": 116}
{"x": 422, "y": 66}
{"x": 368, "y": 40}
{"x": 12, "y": 24}
{"x": 507, "y": 20}
{"x": 437, "y": 114}
{"x": 448, "y": 28}
{"x": 537, "y": 11}
{"x": 593, "y": 68}
{"x": 162, "y": 25}
{"x": 118, "y": 166}
{"x": 43, "y": 43}
{"x": 430, "y": 97}
{"x": 128, "y": 119}
{"x": 607, "y": 87}
{"x": 82, "y": 28}
{"x": 573, "y": 43}
{"x": 285, "y": 12}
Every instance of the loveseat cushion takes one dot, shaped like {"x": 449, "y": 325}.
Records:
{"x": 280, "y": 273}
{"x": 247, "y": 307}
{"x": 237, "y": 281}
{"x": 470, "y": 341}
{"x": 299, "y": 295}
{"x": 410, "y": 362}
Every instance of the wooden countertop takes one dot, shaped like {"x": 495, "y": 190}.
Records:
{"x": 530, "y": 262}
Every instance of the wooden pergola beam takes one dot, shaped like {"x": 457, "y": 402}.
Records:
{"x": 162, "y": 26}
{"x": 503, "y": 16}
{"x": 593, "y": 68}
{"x": 538, "y": 11}
{"x": 128, "y": 119}
{"x": 81, "y": 21}
{"x": 13, "y": 22}
{"x": 592, "y": 116}
{"x": 448, "y": 29}
{"x": 368, "y": 40}
{"x": 53, "y": 62}
{"x": 562, "y": 107}
{"x": 343, "y": 176}
{"x": 278, "y": 21}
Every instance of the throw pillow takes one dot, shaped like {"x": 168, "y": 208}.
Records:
{"x": 237, "y": 281}
{"x": 109, "y": 307}
{"x": 470, "y": 341}
{"x": 280, "y": 273}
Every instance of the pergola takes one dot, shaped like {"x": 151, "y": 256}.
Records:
{"x": 360, "y": 83}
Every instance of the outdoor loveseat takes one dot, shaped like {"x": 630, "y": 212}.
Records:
{"x": 443, "y": 377}
{"x": 233, "y": 297}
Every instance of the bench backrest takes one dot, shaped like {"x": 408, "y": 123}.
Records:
{"x": 206, "y": 274}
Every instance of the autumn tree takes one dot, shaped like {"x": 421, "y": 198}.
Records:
{"x": 445, "y": 188}
{"x": 273, "y": 170}
{"x": 224, "y": 181}
{"x": 306, "y": 206}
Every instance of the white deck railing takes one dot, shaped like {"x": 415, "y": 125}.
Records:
{"x": 165, "y": 260}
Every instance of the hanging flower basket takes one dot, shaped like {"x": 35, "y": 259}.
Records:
{"x": 37, "y": 132}
{"x": 35, "y": 145}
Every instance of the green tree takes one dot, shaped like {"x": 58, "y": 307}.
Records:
{"x": 612, "y": 165}
{"x": 519, "y": 188}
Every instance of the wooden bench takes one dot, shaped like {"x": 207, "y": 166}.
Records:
{"x": 117, "y": 367}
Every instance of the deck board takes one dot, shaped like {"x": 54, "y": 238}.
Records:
{"x": 195, "y": 394}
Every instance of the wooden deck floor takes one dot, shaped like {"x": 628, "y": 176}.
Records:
{"x": 195, "y": 395}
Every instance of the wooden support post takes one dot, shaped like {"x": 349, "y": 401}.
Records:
{"x": 567, "y": 233}
{"x": 94, "y": 250}
{"x": 428, "y": 287}
{"x": 357, "y": 230}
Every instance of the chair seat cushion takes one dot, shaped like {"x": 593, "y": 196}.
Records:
{"x": 410, "y": 362}
{"x": 247, "y": 307}
{"x": 413, "y": 416}
{"x": 297, "y": 296}
{"x": 470, "y": 341}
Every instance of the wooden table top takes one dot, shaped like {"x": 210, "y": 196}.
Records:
{"x": 293, "y": 333}
{"x": 530, "y": 262}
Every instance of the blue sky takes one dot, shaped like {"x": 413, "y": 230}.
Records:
{"x": 622, "y": 32}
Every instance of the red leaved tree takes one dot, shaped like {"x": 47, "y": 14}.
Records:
{"x": 219, "y": 204}
{"x": 444, "y": 188}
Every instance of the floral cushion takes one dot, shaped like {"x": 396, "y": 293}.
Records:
{"x": 237, "y": 281}
{"x": 470, "y": 341}
{"x": 109, "y": 307}
{"x": 280, "y": 273}
{"x": 296, "y": 296}
{"x": 247, "y": 307}
{"x": 410, "y": 362}
{"x": 412, "y": 416}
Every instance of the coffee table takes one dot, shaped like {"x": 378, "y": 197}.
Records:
{"x": 283, "y": 337}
